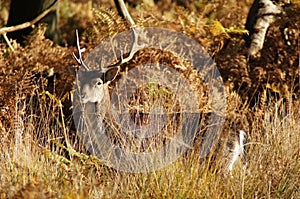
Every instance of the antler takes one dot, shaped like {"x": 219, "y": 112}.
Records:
{"x": 135, "y": 46}
{"x": 80, "y": 51}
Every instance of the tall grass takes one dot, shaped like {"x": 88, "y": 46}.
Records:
{"x": 36, "y": 164}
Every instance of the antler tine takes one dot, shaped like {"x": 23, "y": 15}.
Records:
{"x": 80, "y": 51}
{"x": 135, "y": 46}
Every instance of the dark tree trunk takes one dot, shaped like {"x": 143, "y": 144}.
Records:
{"x": 26, "y": 10}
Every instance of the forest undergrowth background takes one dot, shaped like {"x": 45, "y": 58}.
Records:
{"x": 42, "y": 157}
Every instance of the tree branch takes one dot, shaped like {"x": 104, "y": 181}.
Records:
{"x": 5, "y": 30}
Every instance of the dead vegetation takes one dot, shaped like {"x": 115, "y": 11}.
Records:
{"x": 42, "y": 157}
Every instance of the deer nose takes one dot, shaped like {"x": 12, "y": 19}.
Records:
{"x": 83, "y": 96}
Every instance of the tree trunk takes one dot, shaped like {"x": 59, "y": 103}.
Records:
{"x": 261, "y": 15}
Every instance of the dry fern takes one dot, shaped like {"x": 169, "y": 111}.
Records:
{"x": 106, "y": 23}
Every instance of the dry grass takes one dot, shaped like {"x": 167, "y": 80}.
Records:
{"x": 30, "y": 166}
{"x": 41, "y": 157}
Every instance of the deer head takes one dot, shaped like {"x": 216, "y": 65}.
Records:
{"x": 94, "y": 84}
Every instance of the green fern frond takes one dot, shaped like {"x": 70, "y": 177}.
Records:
{"x": 236, "y": 31}
{"x": 218, "y": 31}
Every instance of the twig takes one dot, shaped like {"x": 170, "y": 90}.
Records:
{"x": 8, "y": 42}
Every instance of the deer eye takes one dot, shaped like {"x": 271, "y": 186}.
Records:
{"x": 98, "y": 81}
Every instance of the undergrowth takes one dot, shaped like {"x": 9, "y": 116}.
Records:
{"x": 41, "y": 156}
{"x": 49, "y": 168}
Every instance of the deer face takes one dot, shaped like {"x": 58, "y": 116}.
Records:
{"x": 93, "y": 87}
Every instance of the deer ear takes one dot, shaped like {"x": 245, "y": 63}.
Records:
{"x": 110, "y": 74}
